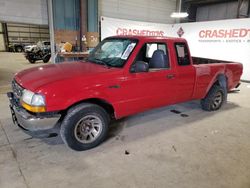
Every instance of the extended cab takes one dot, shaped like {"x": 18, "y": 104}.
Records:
{"x": 122, "y": 76}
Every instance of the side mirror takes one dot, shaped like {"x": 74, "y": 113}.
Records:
{"x": 139, "y": 66}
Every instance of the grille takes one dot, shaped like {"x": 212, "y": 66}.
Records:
{"x": 17, "y": 89}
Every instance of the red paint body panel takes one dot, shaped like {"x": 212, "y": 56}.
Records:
{"x": 66, "y": 84}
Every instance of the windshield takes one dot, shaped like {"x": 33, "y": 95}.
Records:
{"x": 112, "y": 52}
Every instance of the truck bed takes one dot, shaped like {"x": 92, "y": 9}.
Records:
{"x": 209, "y": 69}
{"x": 200, "y": 60}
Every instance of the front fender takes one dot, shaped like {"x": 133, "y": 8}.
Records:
{"x": 87, "y": 96}
{"x": 65, "y": 99}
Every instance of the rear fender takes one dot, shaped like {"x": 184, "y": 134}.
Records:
{"x": 220, "y": 80}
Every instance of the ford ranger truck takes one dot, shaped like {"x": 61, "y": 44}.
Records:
{"x": 122, "y": 76}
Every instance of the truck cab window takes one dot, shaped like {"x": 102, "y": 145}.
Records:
{"x": 182, "y": 54}
{"x": 155, "y": 54}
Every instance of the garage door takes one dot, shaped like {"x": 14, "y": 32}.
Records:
{"x": 140, "y": 10}
{"x": 24, "y": 11}
{"x": 27, "y": 33}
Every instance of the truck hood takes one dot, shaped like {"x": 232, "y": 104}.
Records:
{"x": 37, "y": 77}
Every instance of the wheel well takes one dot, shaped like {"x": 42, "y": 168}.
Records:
{"x": 100, "y": 102}
{"x": 221, "y": 81}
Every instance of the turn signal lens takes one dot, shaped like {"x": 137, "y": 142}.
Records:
{"x": 33, "y": 102}
{"x": 36, "y": 109}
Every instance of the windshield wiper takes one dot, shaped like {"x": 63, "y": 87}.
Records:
{"x": 99, "y": 61}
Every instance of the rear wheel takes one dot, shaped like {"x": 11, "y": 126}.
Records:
{"x": 85, "y": 126}
{"x": 214, "y": 99}
{"x": 19, "y": 49}
{"x": 46, "y": 59}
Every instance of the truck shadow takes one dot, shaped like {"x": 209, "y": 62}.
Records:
{"x": 146, "y": 124}
{"x": 150, "y": 123}
{"x": 161, "y": 119}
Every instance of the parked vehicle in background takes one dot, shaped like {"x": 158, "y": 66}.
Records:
{"x": 29, "y": 47}
{"x": 38, "y": 54}
{"x": 122, "y": 76}
{"x": 40, "y": 51}
{"x": 16, "y": 48}
{"x": 40, "y": 44}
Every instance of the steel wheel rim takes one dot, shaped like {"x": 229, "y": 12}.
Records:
{"x": 217, "y": 100}
{"x": 88, "y": 129}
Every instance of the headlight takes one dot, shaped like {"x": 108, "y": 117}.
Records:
{"x": 33, "y": 102}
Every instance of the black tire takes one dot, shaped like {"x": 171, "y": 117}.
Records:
{"x": 75, "y": 118}
{"x": 46, "y": 59}
{"x": 32, "y": 61}
{"x": 18, "y": 49}
{"x": 214, "y": 99}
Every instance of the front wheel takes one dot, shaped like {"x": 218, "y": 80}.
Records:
{"x": 214, "y": 99}
{"x": 85, "y": 126}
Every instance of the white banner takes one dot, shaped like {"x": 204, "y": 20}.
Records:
{"x": 225, "y": 39}
{"x": 112, "y": 26}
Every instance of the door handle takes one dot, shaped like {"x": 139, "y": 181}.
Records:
{"x": 170, "y": 76}
{"x": 114, "y": 86}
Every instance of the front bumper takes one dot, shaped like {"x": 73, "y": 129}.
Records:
{"x": 28, "y": 121}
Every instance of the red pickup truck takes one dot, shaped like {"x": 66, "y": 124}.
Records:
{"x": 122, "y": 76}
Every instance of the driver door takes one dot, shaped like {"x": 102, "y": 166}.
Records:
{"x": 155, "y": 88}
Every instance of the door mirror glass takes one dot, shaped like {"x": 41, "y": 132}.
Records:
{"x": 139, "y": 66}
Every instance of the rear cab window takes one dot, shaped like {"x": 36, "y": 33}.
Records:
{"x": 182, "y": 54}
